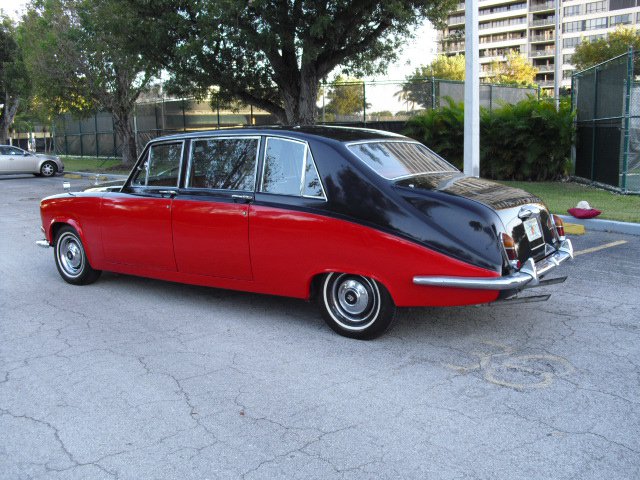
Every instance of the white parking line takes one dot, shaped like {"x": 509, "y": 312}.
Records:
{"x": 601, "y": 247}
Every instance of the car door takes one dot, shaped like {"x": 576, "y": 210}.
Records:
{"x": 210, "y": 215}
{"x": 286, "y": 220}
{"x": 136, "y": 222}
{"x": 5, "y": 159}
{"x": 22, "y": 161}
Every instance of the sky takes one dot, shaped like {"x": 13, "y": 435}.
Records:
{"x": 418, "y": 51}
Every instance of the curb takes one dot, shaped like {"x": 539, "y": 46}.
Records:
{"x": 605, "y": 225}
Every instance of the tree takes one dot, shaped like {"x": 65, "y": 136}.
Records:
{"x": 346, "y": 96}
{"x": 273, "y": 53}
{"x": 517, "y": 70}
{"x": 417, "y": 88}
{"x": 14, "y": 82}
{"x": 588, "y": 54}
{"x": 84, "y": 55}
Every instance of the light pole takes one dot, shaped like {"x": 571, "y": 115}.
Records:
{"x": 558, "y": 60}
{"x": 471, "y": 92}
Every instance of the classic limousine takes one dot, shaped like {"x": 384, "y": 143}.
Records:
{"x": 363, "y": 220}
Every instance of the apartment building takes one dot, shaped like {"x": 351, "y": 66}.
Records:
{"x": 528, "y": 27}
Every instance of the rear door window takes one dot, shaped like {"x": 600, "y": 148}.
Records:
{"x": 223, "y": 163}
{"x": 289, "y": 169}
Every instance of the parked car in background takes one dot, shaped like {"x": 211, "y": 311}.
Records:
{"x": 16, "y": 160}
{"x": 364, "y": 221}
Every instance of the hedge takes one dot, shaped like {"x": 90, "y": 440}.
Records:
{"x": 528, "y": 140}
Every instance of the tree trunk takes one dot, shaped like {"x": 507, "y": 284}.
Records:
{"x": 7, "y": 115}
{"x": 300, "y": 100}
{"x": 125, "y": 133}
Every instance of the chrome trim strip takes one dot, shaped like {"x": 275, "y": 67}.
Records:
{"x": 527, "y": 276}
{"x": 43, "y": 244}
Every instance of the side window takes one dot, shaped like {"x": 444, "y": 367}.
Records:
{"x": 223, "y": 163}
{"x": 283, "y": 165}
{"x": 312, "y": 183}
{"x": 161, "y": 168}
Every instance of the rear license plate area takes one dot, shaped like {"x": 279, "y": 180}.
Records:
{"x": 533, "y": 230}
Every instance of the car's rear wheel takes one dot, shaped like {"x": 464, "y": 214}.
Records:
{"x": 356, "y": 306}
{"x": 71, "y": 258}
{"x": 48, "y": 169}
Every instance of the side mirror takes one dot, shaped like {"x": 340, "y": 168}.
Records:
{"x": 66, "y": 186}
{"x": 26, "y": 154}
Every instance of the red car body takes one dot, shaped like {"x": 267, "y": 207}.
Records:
{"x": 427, "y": 238}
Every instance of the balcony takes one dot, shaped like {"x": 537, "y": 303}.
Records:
{"x": 542, "y": 53}
{"x": 541, "y": 7}
{"x": 542, "y": 38}
{"x": 543, "y": 22}
{"x": 549, "y": 68}
{"x": 546, "y": 83}
{"x": 452, "y": 48}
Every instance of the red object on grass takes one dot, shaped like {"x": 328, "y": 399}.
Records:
{"x": 584, "y": 212}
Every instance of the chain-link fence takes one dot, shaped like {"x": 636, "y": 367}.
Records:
{"x": 607, "y": 102}
{"x": 386, "y": 105}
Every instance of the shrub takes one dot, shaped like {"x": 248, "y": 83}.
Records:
{"x": 528, "y": 140}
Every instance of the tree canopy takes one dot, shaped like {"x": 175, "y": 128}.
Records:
{"x": 83, "y": 55}
{"x": 15, "y": 86}
{"x": 418, "y": 89}
{"x": 588, "y": 54}
{"x": 273, "y": 53}
{"x": 345, "y": 96}
{"x": 516, "y": 70}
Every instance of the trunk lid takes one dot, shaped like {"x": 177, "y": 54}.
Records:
{"x": 524, "y": 217}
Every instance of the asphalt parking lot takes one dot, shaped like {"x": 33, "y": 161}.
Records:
{"x": 139, "y": 379}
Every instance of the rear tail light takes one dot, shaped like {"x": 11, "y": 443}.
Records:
{"x": 510, "y": 249}
{"x": 559, "y": 224}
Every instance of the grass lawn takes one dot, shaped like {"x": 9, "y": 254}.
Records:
{"x": 94, "y": 164}
{"x": 560, "y": 196}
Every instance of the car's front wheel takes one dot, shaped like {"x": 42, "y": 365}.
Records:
{"x": 48, "y": 169}
{"x": 71, "y": 258}
{"x": 356, "y": 306}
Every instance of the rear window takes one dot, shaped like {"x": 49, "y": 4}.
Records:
{"x": 392, "y": 160}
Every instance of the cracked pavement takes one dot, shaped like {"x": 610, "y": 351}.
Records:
{"x": 132, "y": 378}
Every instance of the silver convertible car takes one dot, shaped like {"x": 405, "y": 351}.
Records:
{"x": 15, "y": 160}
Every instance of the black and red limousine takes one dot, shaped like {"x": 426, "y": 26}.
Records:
{"x": 363, "y": 220}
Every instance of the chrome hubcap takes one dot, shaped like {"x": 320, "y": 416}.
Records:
{"x": 70, "y": 255}
{"x": 353, "y": 297}
{"x": 353, "y": 301}
{"x": 47, "y": 169}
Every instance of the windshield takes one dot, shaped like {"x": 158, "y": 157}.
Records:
{"x": 393, "y": 160}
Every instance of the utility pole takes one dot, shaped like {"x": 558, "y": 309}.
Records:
{"x": 471, "y": 92}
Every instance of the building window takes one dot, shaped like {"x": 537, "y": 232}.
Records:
{"x": 572, "y": 11}
{"x": 503, "y": 23}
{"x": 620, "y": 4}
{"x": 570, "y": 42}
{"x": 566, "y": 58}
{"x": 620, "y": 20}
{"x": 595, "y": 23}
{"x": 569, "y": 27}
{"x": 595, "y": 7}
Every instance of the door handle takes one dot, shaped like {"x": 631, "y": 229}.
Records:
{"x": 244, "y": 198}
{"x": 171, "y": 193}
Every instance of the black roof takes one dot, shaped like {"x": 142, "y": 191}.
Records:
{"x": 340, "y": 134}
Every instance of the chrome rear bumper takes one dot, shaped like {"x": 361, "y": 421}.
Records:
{"x": 528, "y": 276}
